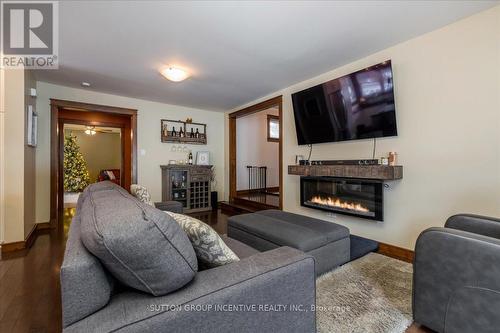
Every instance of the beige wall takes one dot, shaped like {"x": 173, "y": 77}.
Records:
{"x": 18, "y": 214}
{"x": 148, "y": 131}
{"x": 2, "y": 154}
{"x": 29, "y": 160}
{"x": 252, "y": 148}
{"x": 100, "y": 151}
{"x": 447, "y": 86}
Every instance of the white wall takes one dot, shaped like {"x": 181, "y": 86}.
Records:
{"x": 148, "y": 131}
{"x": 252, "y": 148}
{"x": 447, "y": 86}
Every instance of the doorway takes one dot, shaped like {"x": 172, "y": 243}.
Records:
{"x": 90, "y": 120}
{"x": 91, "y": 154}
{"x": 256, "y": 155}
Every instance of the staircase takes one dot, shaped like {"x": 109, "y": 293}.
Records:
{"x": 243, "y": 206}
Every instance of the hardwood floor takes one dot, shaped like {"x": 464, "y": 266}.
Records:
{"x": 30, "y": 298}
{"x": 29, "y": 288}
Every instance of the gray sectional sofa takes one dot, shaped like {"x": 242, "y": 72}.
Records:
{"x": 255, "y": 294}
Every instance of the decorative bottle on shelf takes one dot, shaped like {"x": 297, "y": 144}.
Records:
{"x": 190, "y": 158}
{"x": 197, "y": 134}
{"x": 192, "y": 133}
{"x": 165, "y": 131}
{"x": 174, "y": 133}
{"x": 181, "y": 133}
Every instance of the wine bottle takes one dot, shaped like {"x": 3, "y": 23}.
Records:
{"x": 174, "y": 133}
{"x": 190, "y": 158}
{"x": 181, "y": 133}
{"x": 197, "y": 134}
{"x": 192, "y": 133}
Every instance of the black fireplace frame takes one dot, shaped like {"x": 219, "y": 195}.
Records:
{"x": 379, "y": 193}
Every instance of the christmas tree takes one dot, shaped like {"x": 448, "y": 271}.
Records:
{"x": 76, "y": 174}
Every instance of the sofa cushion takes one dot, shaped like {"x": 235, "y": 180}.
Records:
{"x": 287, "y": 229}
{"x": 96, "y": 187}
{"x": 208, "y": 245}
{"x": 85, "y": 285}
{"x": 141, "y": 246}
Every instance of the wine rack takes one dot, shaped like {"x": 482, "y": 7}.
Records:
{"x": 188, "y": 184}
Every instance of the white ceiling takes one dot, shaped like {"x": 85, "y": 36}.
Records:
{"x": 236, "y": 51}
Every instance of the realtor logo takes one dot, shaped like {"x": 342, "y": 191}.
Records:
{"x": 29, "y": 34}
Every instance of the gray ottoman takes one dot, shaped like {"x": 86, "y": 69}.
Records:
{"x": 170, "y": 206}
{"x": 265, "y": 230}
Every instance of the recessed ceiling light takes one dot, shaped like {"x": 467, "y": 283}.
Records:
{"x": 85, "y": 84}
{"x": 174, "y": 74}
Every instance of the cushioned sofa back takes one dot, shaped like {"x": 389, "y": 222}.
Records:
{"x": 85, "y": 286}
{"x": 142, "y": 247}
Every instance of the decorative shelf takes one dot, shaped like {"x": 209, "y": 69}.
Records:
{"x": 379, "y": 172}
{"x": 167, "y": 127}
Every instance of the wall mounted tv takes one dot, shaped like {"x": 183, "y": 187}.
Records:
{"x": 356, "y": 106}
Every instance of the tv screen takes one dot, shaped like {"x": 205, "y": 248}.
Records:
{"x": 356, "y": 106}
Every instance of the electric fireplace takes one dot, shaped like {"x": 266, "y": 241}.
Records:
{"x": 350, "y": 196}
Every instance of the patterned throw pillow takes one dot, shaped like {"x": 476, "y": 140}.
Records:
{"x": 210, "y": 249}
{"x": 141, "y": 193}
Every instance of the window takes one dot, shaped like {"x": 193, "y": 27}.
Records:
{"x": 273, "y": 128}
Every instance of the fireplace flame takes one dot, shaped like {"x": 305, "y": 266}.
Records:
{"x": 336, "y": 202}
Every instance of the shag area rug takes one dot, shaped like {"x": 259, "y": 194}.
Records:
{"x": 370, "y": 294}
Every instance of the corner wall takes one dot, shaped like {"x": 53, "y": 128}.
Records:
{"x": 156, "y": 153}
{"x": 447, "y": 85}
{"x": 17, "y": 174}
{"x": 29, "y": 160}
{"x": 2, "y": 155}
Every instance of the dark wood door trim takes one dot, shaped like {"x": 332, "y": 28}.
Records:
{"x": 79, "y": 106}
{"x": 62, "y": 112}
{"x": 275, "y": 101}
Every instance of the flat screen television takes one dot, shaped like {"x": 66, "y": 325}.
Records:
{"x": 356, "y": 106}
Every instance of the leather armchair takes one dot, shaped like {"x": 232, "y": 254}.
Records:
{"x": 456, "y": 281}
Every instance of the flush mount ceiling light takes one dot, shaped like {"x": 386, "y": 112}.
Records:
{"x": 174, "y": 74}
{"x": 85, "y": 84}
{"x": 90, "y": 130}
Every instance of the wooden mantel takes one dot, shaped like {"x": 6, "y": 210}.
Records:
{"x": 379, "y": 172}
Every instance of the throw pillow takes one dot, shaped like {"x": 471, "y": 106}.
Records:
{"x": 141, "y": 246}
{"x": 110, "y": 174}
{"x": 210, "y": 249}
{"x": 141, "y": 193}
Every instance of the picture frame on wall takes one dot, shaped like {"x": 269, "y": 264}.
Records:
{"x": 32, "y": 127}
{"x": 203, "y": 158}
